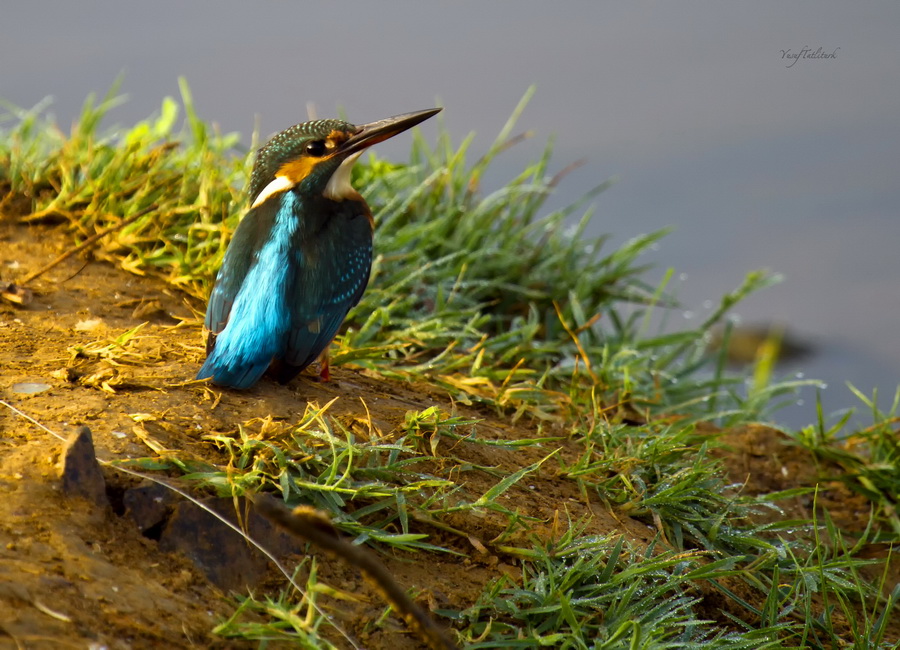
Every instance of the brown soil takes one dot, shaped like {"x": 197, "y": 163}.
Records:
{"x": 74, "y": 572}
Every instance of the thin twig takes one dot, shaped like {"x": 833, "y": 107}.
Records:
{"x": 315, "y": 526}
{"x": 87, "y": 243}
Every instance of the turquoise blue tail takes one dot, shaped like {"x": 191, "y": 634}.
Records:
{"x": 239, "y": 376}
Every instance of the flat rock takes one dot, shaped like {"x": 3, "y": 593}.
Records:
{"x": 149, "y": 504}
{"x": 223, "y": 555}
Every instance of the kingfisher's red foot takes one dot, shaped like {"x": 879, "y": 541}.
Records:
{"x": 324, "y": 367}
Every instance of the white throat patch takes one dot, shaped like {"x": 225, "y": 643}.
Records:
{"x": 280, "y": 184}
{"x": 339, "y": 187}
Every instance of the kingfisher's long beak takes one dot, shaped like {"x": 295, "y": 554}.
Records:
{"x": 375, "y": 132}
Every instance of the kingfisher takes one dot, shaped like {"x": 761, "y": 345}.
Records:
{"x": 301, "y": 256}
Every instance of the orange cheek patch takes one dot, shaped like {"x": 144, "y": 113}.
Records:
{"x": 296, "y": 170}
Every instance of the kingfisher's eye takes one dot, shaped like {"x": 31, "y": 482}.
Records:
{"x": 316, "y": 148}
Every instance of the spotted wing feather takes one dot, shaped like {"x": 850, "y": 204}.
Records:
{"x": 317, "y": 314}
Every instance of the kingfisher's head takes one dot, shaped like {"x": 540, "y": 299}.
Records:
{"x": 318, "y": 156}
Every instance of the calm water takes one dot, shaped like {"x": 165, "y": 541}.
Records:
{"x": 696, "y": 107}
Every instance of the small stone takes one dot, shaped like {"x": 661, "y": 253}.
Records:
{"x": 149, "y": 504}
{"x": 87, "y": 325}
{"x": 30, "y": 388}
{"x": 81, "y": 474}
{"x": 218, "y": 551}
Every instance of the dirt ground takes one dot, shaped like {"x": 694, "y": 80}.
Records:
{"x": 75, "y": 573}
